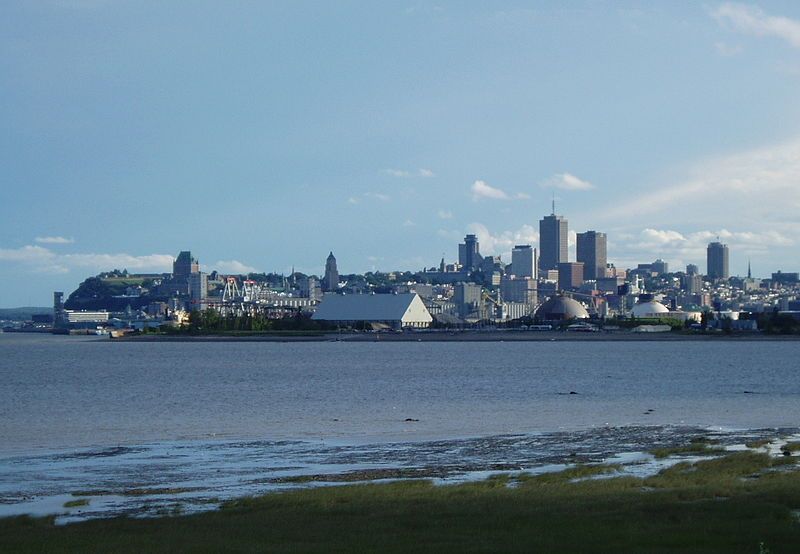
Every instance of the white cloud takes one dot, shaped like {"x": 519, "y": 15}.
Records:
{"x": 54, "y": 240}
{"x": 378, "y": 196}
{"x": 501, "y": 243}
{"x": 352, "y": 200}
{"x": 482, "y": 190}
{"x": 522, "y": 196}
{"x": 567, "y": 181}
{"x": 404, "y": 173}
{"x": 760, "y": 186}
{"x": 681, "y": 248}
{"x": 40, "y": 258}
{"x": 234, "y": 267}
{"x": 727, "y": 50}
{"x": 397, "y": 172}
{"x": 445, "y": 214}
{"x": 752, "y": 20}
{"x": 408, "y": 223}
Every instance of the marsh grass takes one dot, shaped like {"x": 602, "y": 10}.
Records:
{"x": 759, "y": 443}
{"x": 76, "y": 503}
{"x": 733, "y": 503}
{"x": 793, "y": 446}
{"x": 699, "y": 446}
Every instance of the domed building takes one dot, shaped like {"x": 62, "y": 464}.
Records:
{"x": 649, "y": 308}
{"x": 561, "y": 308}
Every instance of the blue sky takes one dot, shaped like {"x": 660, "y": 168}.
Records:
{"x": 264, "y": 134}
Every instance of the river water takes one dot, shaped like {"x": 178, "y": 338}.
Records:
{"x": 143, "y": 427}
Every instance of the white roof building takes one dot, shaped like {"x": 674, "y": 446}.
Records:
{"x": 650, "y": 309}
{"x": 397, "y": 310}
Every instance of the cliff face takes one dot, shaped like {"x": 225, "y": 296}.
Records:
{"x": 96, "y": 293}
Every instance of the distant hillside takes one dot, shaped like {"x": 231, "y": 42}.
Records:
{"x": 24, "y": 313}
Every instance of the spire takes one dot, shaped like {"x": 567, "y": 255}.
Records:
{"x": 554, "y": 203}
{"x": 749, "y": 273}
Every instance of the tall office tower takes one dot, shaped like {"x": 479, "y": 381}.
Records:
{"x": 469, "y": 255}
{"x": 553, "y": 235}
{"x": 523, "y": 261}
{"x": 592, "y": 251}
{"x": 692, "y": 269}
{"x": 184, "y": 265}
{"x": 717, "y": 261}
{"x": 198, "y": 290}
{"x": 570, "y": 275}
{"x": 331, "y": 280}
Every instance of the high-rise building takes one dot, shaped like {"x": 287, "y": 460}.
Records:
{"x": 184, "y": 265}
{"x": 591, "y": 249}
{"x": 692, "y": 269}
{"x": 717, "y": 261}
{"x": 469, "y": 255}
{"x": 553, "y": 236}
{"x": 523, "y": 261}
{"x": 570, "y": 275}
{"x": 198, "y": 290}
{"x": 331, "y": 280}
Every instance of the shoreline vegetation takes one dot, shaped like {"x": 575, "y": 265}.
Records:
{"x": 708, "y": 501}
{"x": 209, "y": 325}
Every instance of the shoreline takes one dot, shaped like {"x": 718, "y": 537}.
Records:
{"x": 700, "y": 497}
{"x": 464, "y": 336}
{"x": 200, "y": 476}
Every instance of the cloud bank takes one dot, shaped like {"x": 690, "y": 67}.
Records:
{"x": 753, "y": 21}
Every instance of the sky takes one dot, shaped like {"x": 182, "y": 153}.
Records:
{"x": 262, "y": 135}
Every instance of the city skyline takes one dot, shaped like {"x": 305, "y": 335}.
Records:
{"x": 133, "y": 132}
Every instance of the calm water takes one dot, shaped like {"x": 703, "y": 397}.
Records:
{"x": 78, "y": 413}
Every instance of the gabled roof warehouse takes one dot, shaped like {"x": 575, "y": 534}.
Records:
{"x": 398, "y": 310}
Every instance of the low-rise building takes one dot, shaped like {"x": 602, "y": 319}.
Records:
{"x": 395, "y": 310}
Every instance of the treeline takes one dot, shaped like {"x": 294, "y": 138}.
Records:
{"x": 211, "y": 321}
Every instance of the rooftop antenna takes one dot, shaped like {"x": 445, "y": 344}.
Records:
{"x": 554, "y": 203}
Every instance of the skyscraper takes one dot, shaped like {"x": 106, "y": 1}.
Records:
{"x": 553, "y": 235}
{"x": 331, "y": 280}
{"x": 469, "y": 255}
{"x": 591, "y": 249}
{"x": 523, "y": 261}
{"x": 717, "y": 261}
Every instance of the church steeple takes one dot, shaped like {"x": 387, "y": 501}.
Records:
{"x": 749, "y": 273}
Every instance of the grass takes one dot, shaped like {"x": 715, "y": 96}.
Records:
{"x": 732, "y": 503}
{"x": 793, "y": 446}
{"x": 76, "y": 503}
{"x": 698, "y": 447}
{"x": 759, "y": 443}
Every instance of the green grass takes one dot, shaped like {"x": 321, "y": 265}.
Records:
{"x": 759, "y": 443}
{"x": 76, "y": 503}
{"x": 793, "y": 446}
{"x": 696, "y": 448}
{"x": 727, "y": 504}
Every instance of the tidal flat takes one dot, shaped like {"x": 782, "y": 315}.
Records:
{"x": 740, "y": 501}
